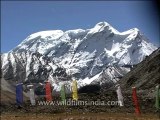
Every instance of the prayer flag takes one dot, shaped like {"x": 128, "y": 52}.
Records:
{"x": 63, "y": 95}
{"x": 32, "y": 95}
{"x": 19, "y": 94}
{"x": 135, "y": 100}
{"x": 48, "y": 91}
{"x": 74, "y": 90}
{"x": 119, "y": 95}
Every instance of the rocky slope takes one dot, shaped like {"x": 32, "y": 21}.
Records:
{"x": 145, "y": 76}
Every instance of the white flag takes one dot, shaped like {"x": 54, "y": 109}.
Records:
{"x": 120, "y": 97}
{"x": 32, "y": 96}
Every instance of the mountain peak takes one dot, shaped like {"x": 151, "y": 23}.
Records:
{"x": 46, "y": 34}
{"x": 102, "y": 24}
{"x": 135, "y": 29}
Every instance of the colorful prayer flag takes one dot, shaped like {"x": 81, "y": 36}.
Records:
{"x": 74, "y": 90}
{"x": 19, "y": 94}
{"x": 32, "y": 95}
{"x": 63, "y": 95}
{"x": 119, "y": 95}
{"x": 48, "y": 91}
{"x": 135, "y": 100}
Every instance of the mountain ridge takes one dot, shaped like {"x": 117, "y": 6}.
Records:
{"x": 80, "y": 54}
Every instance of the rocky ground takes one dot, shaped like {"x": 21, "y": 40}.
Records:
{"x": 9, "y": 110}
{"x": 78, "y": 116}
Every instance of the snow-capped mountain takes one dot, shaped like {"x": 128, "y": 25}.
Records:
{"x": 85, "y": 55}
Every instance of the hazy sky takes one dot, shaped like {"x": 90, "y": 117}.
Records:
{"x": 19, "y": 19}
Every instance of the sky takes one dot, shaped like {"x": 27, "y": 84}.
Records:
{"x": 19, "y": 19}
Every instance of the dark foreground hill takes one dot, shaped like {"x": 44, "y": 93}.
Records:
{"x": 144, "y": 76}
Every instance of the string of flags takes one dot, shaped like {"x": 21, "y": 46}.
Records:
{"x": 48, "y": 95}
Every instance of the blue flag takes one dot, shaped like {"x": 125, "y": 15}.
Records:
{"x": 19, "y": 94}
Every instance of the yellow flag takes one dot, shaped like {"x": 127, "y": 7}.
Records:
{"x": 74, "y": 90}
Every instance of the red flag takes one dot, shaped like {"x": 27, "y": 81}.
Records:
{"x": 48, "y": 92}
{"x": 135, "y": 100}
